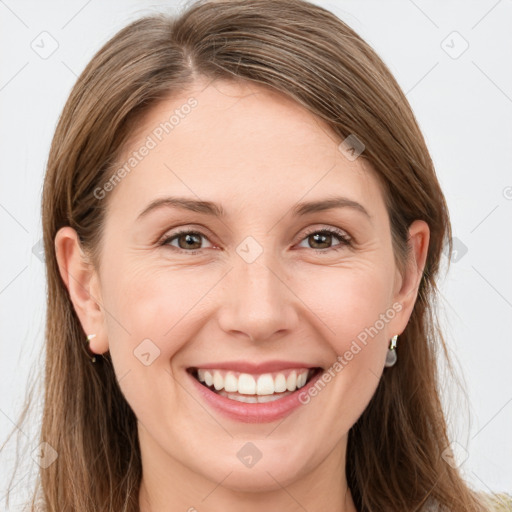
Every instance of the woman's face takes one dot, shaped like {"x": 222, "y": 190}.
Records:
{"x": 258, "y": 285}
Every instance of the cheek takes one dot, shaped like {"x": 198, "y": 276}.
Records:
{"x": 151, "y": 315}
{"x": 155, "y": 303}
{"x": 160, "y": 303}
{"x": 350, "y": 305}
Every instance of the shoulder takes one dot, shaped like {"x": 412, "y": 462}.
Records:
{"x": 502, "y": 502}
{"x": 493, "y": 502}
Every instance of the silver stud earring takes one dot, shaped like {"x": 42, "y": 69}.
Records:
{"x": 89, "y": 338}
{"x": 391, "y": 356}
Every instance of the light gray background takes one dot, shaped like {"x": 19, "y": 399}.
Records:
{"x": 463, "y": 104}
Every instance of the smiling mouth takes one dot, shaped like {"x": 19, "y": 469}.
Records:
{"x": 248, "y": 388}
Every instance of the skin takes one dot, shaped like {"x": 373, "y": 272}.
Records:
{"x": 257, "y": 153}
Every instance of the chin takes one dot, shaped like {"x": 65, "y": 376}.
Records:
{"x": 260, "y": 478}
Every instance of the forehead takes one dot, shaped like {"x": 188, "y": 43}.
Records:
{"x": 239, "y": 144}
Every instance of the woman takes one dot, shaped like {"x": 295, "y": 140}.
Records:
{"x": 243, "y": 230}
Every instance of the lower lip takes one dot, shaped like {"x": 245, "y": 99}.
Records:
{"x": 254, "y": 413}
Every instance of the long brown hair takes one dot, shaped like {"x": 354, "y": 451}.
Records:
{"x": 395, "y": 450}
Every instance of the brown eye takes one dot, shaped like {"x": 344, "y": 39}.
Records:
{"x": 188, "y": 241}
{"x": 322, "y": 239}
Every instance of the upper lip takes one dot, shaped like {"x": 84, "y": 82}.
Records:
{"x": 256, "y": 368}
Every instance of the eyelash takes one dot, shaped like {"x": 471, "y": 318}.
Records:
{"x": 345, "y": 241}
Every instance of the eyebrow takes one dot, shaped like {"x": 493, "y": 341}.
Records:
{"x": 216, "y": 210}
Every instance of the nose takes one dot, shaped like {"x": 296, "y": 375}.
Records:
{"x": 257, "y": 301}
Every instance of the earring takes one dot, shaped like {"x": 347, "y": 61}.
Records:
{"x": 391, "y": 356}
{"x": 89, "y": 338}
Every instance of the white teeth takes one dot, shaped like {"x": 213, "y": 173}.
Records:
{"x": 218, "y": 381}
{"x": 253, "y": 399}
{"x": 301, "y": 380}
{"x": 266, "y": 384}
{"x": 230, "y": 382}
{"x": 279, "y": 383}
{"x": 291, "y": 381}
{"x": 246, "y": 384}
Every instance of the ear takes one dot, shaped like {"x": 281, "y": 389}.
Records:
{"x": 82, "y": 282}
{"x": 406, "y": 286}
